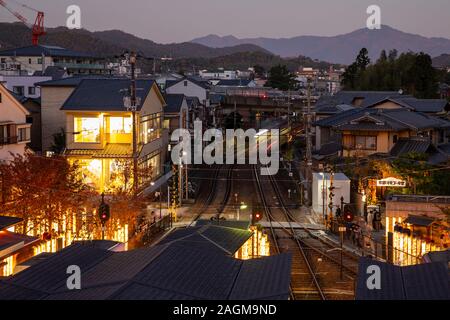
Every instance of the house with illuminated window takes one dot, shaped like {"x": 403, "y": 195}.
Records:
{"x": 99, "y": 132}
{"x": 14, "y": 129}
{"x": 367, "y": 131}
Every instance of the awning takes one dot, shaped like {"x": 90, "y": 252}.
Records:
{"x": 419, "y": 221}
{"x": 111, "y": 150}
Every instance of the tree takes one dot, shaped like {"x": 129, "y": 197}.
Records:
{"x": 414, "y": 168}
{"x": 281, "y": 78}
{"x": 259, "y": 71}
{"x": 362, "y": 60}
{"x": 59, "y": 142}
{"x": 42, "y": 190}
{"x": 411, "y": 72}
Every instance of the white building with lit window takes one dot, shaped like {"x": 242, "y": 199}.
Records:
{"x": 99, "y": 133}
{"x": 14, "y": 129}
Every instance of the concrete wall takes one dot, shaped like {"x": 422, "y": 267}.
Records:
{"x": 24, "y": 81}
{"x": 53, "y": 119}
{"x": 191, "y": 90}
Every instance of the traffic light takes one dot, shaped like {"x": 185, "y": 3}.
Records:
{"x": 103, "y": 212}
{"x": 348, "y": 216}
{"x": 256, "y": 217}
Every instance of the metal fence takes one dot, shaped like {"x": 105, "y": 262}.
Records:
{"x": 366, "y": 245}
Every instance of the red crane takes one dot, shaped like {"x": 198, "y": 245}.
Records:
{"x": 37, "y": 29}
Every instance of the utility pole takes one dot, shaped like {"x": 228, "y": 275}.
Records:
{"x": 308, "y": 157}
{"x": 235, "y": 109}
{"x": 133, "y": 112}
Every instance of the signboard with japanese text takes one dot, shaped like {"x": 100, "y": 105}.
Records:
{"x": 391, "y": 182}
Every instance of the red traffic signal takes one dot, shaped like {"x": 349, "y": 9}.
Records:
{"x": 256, "y": 217}
{"x": 348, "y": 216}
{"x": 103, "y": 212}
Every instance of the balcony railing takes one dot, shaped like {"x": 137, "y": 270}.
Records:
{"x": 8, "y": 140}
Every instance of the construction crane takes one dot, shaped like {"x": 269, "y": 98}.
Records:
{"x": 37, "y": 29}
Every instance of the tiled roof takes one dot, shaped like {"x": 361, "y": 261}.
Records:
{"x": 71, "y": 81}
{"x": 347, "y": 97}
{"x": 424, "y": 105}
{"x": 413, "y": 144}
{"x": 429, "y": 281}
{"x": 162, "y": 272}
{"x": 419, "y": 220}
{"x": 39, "y": 50}
{"x": 228, "y": 240}
{"x": 52, "y": 71}
{"x": 11, "y": 239}
{"x": 236, "y": 224}
{"x": 201, "y": 83}
{"x": 105, "y": 94}
{"x": 111, "y": 150}
{"x": 6, "y": 222}
{"x": 174, "y": 103}
{"x": 378, "y": 119}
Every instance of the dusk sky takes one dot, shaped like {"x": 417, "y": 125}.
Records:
{"x": 167, "y": 21}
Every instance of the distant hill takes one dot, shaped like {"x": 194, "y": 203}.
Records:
{"x": 243, "y": 60}
{"x": 113, "y": 42}
{"x": 187, "y": 55}
{"x": 442, "y": 61}
{"x": 341, "y": 48}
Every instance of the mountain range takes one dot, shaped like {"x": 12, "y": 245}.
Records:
{"x": 113, "y": 42}
{"x": 338, "y": 49}
{"x": 230, "y": 52}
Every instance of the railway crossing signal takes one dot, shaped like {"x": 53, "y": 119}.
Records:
{"x": 348, "y": 216}
{"x": 103, "y": 211}
{"x": 256, "y": 217}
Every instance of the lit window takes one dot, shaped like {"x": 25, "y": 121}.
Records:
{"x": 87, "y": 130}
{"x": 120, "y": 125}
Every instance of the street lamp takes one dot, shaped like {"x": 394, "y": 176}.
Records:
{"x": 243, "y": 206}
{"x": 160, "y": 198}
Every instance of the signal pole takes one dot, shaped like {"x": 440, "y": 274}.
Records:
{"x": 133, "y": 112}
{"x": 308, "y": 143}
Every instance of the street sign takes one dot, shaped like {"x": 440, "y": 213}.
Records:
{"x": 342, "y": 229}
{"x": 391, "y": 182}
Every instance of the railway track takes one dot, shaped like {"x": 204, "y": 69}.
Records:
{"x": 228, "y": 189}
{"x": 314, "y": 260}
{"x": 303, "y": 278}
{"x": 211, "y": 195}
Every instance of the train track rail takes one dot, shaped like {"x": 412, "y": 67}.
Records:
{"x": 321, "y": 258}
{"x": 211, "y": 195}
{"x": 228, "y": 189}
{"x": 303, "y": 277}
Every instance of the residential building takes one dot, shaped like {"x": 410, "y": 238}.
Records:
{"x": 24, "y": 86}
{"x": 366, "y": 131}
{"x": 53, "y": 95}
{"x": 14, "y": 129}
{"x": 176, "y": 112}
{"x": 33, "y": 106}
{"x": 416, "y": 225}
{"x": 190, "y": 87}
{"x": 99, "y": 132}
{"x": 31, "y": 59}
